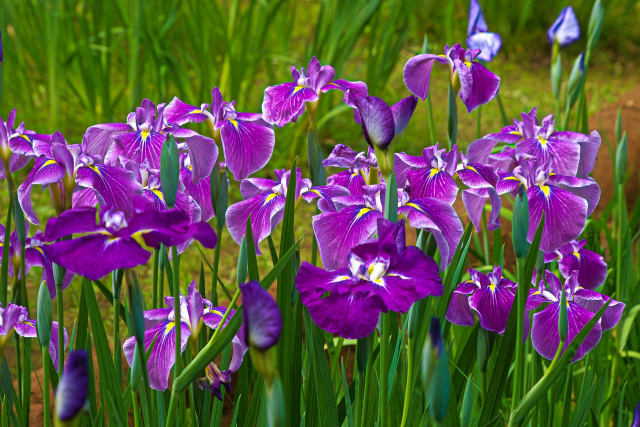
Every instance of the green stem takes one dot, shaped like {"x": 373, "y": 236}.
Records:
{"x": 216, "y": 263}
{"x": 60, "y": 313}
{"x": 116, "y": 285}
{"x": 45, "y": 387}
{"x": 409, "y": 385}
{"x": 154, "y": 280}
{"x": 136, "y": 411}
{"x": 505, "y": 119}
{"x": 521, "y": 296}
{"x": 452, "y": 117}
{"x": 177, "y": 319}
{"x": 4, "y": 266}
{"x": 479, "y": 123}
{"x": 432, "y": 123}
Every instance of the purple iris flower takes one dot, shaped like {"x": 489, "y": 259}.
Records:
{"x": 247, "y": 140}
{"x": 199, "y": 191}
{"x": 355, "y": 221}
{"x": 73, "y": 389}
{"x": 116, "y": 240}
{"x": 360, "y": 166}
{"x": 261, "y": 317}
{"x": 478, "y": 35}
{"x": 565, "y": 29}
{"x": 482, "y": 182}
{"x": 474, "y": 83}
{"x": 285, "y": 103}
{"x": 15, "y": 318}
{"x": 570, "y": 153}
{"x": 591, "y": 267}
{"x": 381, "y": 122}
{"x": 141, "y": 138}
{"x": 265, "y": 200}
{"x": 636, "y": 417}
{"x": 382, "y": 275}
{"x": 490, "y": 296}
{"x": 16, "y": 144}
{"x": 35, "y": 256}
{"x": 581, "y": 305}
{"x": 566, "y": 201}
{"x": 160, "y": 324}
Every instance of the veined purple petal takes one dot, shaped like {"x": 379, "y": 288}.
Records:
{"x": 339, "y": 232}
{"x": 474, "y": 200}
{"x": 45, "y": 171}
{"x": 593, "y": 301}
{"x": 563, "y": 155}
{"x": 11, "y": 316}
{"x": 591, "y": 267}
{"x": 352, "y": 90}
{"x": 417, "y": 73}
{"x": 73, "y": 389}
{"x": 402, "y": 112}
{"x": 565, "y": 215}
{"x": 378, "y": 122}
{"x": 200, "y": 192}
{"x": 203, "y": 154}
{"x": 54, "y": 350}
{"x": 74, "y": 221}
{"x": 261, "y": 316}
{"x": 439, "y": 218}
{"x": 545, "y": 335}
{"x": 143, "y": 147}
{"x": 484, "y": 86}
{"x": 284, "y": 103}
{"x": 459, "y": 311}
{"x": 35, "y": 257}
{"x": 586, "y": 188}
{"x": 115, "y": 186}
{"x": 179, "y": 113}
{"x": 97, "y": 139}
{"x": 163, "y": 354}
{"x": 493, "y": 305}
{"x": 83, "y": 198}
{"x": 248, "y": 146}
{"x": 413, "y": 270}
{"x": 94, "y": 256}
{"x": 432, "y": 182}
{"x": 266, "y": 211}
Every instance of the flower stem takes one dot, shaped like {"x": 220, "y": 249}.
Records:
{"x": 409, "y": 385}
{"x": 176, "y": 309}
{"x": 59, "y": 278}
{"x": 45, "y": 387}
{"x": 452, "y": 117}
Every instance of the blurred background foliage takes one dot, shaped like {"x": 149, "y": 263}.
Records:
{"x": 69, "y": 63}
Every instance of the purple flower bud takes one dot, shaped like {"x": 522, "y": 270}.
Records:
{"x": 72, "y": 392}
{"x": 565, "y": 30}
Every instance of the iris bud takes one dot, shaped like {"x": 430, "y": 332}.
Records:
{"x": 521, "y": 224}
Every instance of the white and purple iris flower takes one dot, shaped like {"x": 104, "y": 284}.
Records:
{"x": 140, "y": 140}
{"x": 478, "y": 35}
{"x": 265, "y": 200}
{"x": 582, "y": 304}
{"x": 247, "y": 140}
{"x": 15, "y": 318}
{"x": 381, "y": 275}
{"x": 474, "y": 84}
{"x": 116, "y": 240}
{"x": 285, "y": 103}
{"x": 489, "y": 296}
{"x": 565, "y": 29}
{"x": 160, "y": 323}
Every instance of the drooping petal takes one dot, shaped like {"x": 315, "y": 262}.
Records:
{"x": 203, "y": 154}
{"x": 545, "y": 335}
{"x": 74, "y": 221}
{"x": 493, "y": 305}
{"x": 432, "y": 182}
{"x": 402, "y": 112}
{"x": 97, "y": 139}
{"x": 54, "y": 350}
{"x": 439, "y": 218}
{"x": 474, "y": 200}
{"x": 565, "y": 215}
{"x": 95, "y": 256}
{"x": 484, "y": 87}
{"x": 586, "y": 188}
{"x": 179, "y": 113}
{"x": 339, "y": 232}
{"x": 116, "y": 187}
{"x": 266, "y": 211}
{"x": 417, "y": 73}
{"x": 162, "y": 355}
{"x": 248, "y": 146}
{"x": 45, "y": 171}
{"x": 593, "y": 301}
{"x": 459, "y": 311}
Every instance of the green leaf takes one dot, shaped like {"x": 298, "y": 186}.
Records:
{"x": 45, "y": 315}
{"x": 241, "y": 270}
{"x": 621, "y": 159}
{"x": 252, "y": 261}
{"x": 219, "y": 184}
{"x": 18, "y": 219}
{"x": 452, "y": 117}
{"x": 391, "y": 198}
{"x": 314, "y": 152}
{"x": 169, "y": 171}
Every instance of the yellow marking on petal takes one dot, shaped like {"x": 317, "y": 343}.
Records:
{"x": 472, "y": 169}
{"x": 198, "y": 111}
{"x": 363, "y": 212}
{"x": 270, "y": 197}
{"x": 49, "y": 162}
{"x": 37, "y": 248}
{"x": 218, "y": 312}
{"x": 513, "y": 178}
{"x": 313, "y": 190}
{"x": 492, "y": 288}
{"x": 536, "y": 293}
{"x": 576, "y": 254}
{"x": 341, "y": 278}
{"x": 144, "y": 135}
{"x": 545, "y": 190}
{"x": 515, "y": 132}
{"x": 169, "y": 327}
{"x": 158, "y": 194}
{"x": 234, "y": 123}
{"x": 297, "y": 89}
{"x": 467, "y": 63}
{"x": 413, "y": 205}
{"x": 94, "y": 168}
{"x": 26, "y": 137}
{"x": 433, "y": 172}
{"x": 543, "y": 142}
